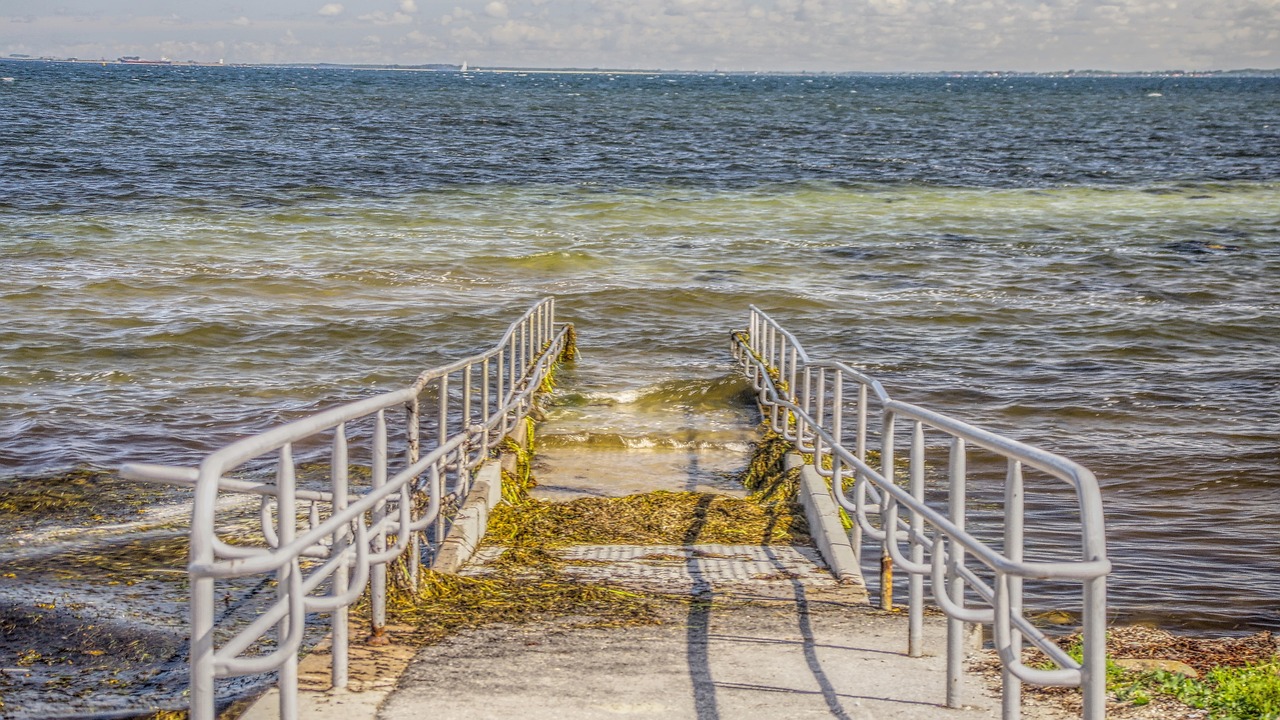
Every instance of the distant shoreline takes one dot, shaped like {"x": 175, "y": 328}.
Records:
{"x": 447, "y": 68}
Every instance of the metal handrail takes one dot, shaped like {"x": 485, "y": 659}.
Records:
{"x": 341, "y": 542}
{"x": 804, "y": 401}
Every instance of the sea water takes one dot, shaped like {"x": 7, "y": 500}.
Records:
{"x": 1087, "y": 264}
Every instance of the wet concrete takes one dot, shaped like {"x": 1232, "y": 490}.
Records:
{"x": 564, "y": 473}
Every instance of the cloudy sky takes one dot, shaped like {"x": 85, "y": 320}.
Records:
{"x": 783, "y": 35}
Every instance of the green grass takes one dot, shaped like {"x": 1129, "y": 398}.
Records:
{"x": 1237, "y": 681}
{"x": 1251, "y": 692}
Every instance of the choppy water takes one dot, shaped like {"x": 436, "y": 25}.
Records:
{"x": 1088, "y": 264}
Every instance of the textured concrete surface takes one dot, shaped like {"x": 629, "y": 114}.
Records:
{"x": 765, "y": 570}
{"x": 772, "y": 635}
{"x": 797, "y": 659}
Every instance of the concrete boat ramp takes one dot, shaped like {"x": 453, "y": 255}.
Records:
{"x": 741, "y": 631}
{"x": 768, "y": 632}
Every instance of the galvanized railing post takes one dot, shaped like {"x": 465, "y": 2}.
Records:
{"x": 915, "y": 581}
{"x": 1013, "y": 540}
{"x": 888, "y": 521}
{"x": 202, "y": 595}
{"x": 412, "y": 451}
{"x": 286, "y": 527}
{"x": 955, "y": 583}
{"x": 484, "y": 402}
{"x": 341, "y": 541}
{"x": 513, "y": 360}
{"x": 500, "y": 375}
{"x": 837, "y": 480}
{"x": 466, "y": 398}
{"x": 442, "y": 414}
{"x": 776, "y": 361}
{"x": 378, "y": 573}
{"x": 527, "y": 333}
{"x": 439, "y": 481}
{"x": 535, "y": 330}
{"x": 770, "y": 355}
{"x": 819, "y": 408}
{"x": 1094, "y": 631}
{"x": 544, "y": 336}
{"x": 791, "y": 373}
{"x": 860, "y": 444}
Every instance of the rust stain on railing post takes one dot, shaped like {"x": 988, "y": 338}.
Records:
{"x": 886, "y": 582}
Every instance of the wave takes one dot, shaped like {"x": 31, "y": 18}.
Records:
{"x": 718, "y": 393}
{"x": 549, "y": 261}
{"x": 699, "y": 440}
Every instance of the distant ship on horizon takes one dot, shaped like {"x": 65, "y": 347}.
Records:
{"x": 135, "y": 60}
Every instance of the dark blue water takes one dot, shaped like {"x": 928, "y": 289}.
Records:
{"x": 74, "y": 137}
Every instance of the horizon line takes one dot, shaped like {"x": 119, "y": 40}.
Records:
{"x": 459, "y": 67}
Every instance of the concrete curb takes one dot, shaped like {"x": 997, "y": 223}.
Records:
{"x": 824, "y": 523}
{"x": 468, "y": 527}
{"x": 471, "y": 522}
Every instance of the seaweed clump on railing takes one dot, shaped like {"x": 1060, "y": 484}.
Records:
{"x": 570, "y": 351}
{"x": 516, "y": 483}
{"x": 771, "y": 484}
{"x": 766, "y": 472}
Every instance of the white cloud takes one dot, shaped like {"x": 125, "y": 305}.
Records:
{"x": 872, "y": 35}
{"x": 465, "y": 37}
{"x": 381, "y": 18}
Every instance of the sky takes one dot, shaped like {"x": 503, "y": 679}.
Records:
{"x": 731, "y": 35}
